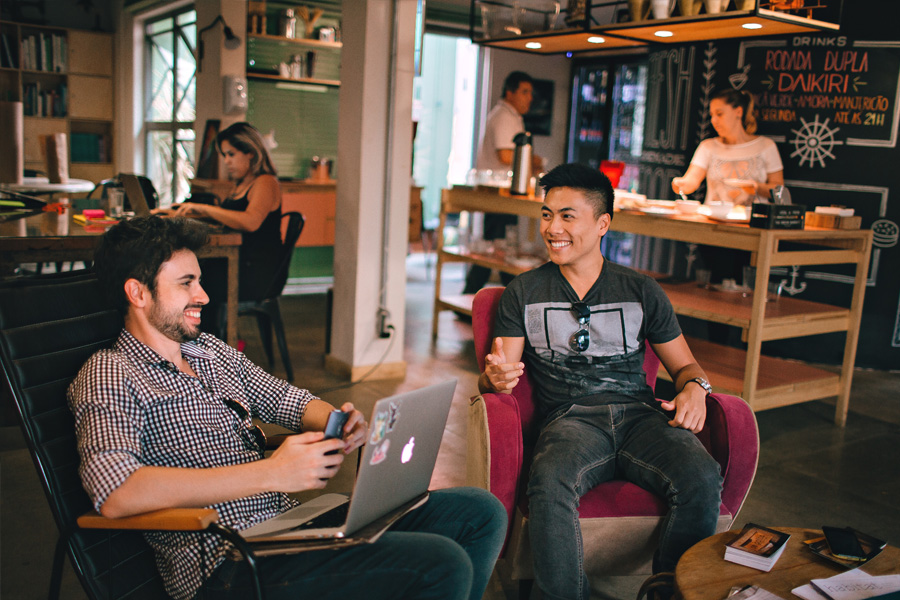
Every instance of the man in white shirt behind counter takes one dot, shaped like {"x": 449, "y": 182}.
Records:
{"x": 495, "y": 153}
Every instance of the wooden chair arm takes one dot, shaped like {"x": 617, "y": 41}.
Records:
{"x": 167, "y": 519}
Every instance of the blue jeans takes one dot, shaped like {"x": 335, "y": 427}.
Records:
{"x": 587, "y": 445}
{"x": 444, "y": 549}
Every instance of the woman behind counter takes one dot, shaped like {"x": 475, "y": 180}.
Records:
{"x": 737, "y": 165}
{"x": 253, "y": 207}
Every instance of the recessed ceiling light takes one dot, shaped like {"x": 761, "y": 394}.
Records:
{"x": 663, "y": 33}
{"x": 596, "y": 39}
{"x": 752, "y": 25}
{"x": 533, "y": 45}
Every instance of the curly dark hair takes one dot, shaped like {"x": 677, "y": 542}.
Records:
{"x": 137, "y": 248}
{"x": 595, "y": 186}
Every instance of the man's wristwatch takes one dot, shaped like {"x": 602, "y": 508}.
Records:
{"x": 702, "y": 383}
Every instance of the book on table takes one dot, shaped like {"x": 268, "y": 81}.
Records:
{"x": 757, "y": 546}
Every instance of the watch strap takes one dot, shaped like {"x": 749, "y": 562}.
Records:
{"x": 702, "y": 383}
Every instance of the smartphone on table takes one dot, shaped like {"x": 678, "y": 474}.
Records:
{"x": 843, "y": 543}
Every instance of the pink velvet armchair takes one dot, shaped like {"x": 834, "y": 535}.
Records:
{"x": 620, "y": 521}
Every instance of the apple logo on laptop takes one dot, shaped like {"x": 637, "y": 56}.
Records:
{"x": 406, "y": 455}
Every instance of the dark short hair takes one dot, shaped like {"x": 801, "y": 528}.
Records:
{"x": 137, "y": 248}
{"x": 595, "y": 186}
{"x": 512, "y": 81}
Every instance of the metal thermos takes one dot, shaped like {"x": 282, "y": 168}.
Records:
{"x": 521, "y": 165}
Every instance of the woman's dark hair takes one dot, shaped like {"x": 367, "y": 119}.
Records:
{"x": 137, "y": 248}
{"x": 595, "y": 186}
{"x": 740, "y": 99}
{"x": 247, "y": 139}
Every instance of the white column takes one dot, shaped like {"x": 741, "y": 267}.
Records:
{"x": 374, "y": 171}
{"x": 218, "y": 62}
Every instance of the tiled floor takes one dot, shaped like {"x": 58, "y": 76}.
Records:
{"x": 810, "y": 473}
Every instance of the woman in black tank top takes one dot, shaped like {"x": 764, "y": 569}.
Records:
{"x": 253, "y": 207}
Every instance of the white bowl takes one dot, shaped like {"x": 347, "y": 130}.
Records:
{"x": 687, "y": 206}
{"x": 719, "y": 210}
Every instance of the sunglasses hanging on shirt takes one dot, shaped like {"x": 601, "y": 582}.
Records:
{"x": 255, "y": 431}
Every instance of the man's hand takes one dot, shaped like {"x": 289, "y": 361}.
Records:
{"x": 690, "y": 408}
{"x": 355, "y": 428}
{"x": 303, "y": 462}
{"x": 499, "y": 375}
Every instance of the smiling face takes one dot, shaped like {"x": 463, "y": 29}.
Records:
{"x": 727, "y": 120}
{"x": 237, "y": 163}
{"x": 521, "y": 98}
{"x": 178, "y": 298}
{"x": 570, "y": 229}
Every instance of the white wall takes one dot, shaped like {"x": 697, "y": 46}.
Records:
{"x": 218, "y": 62}
{"x": 556, "y": 68}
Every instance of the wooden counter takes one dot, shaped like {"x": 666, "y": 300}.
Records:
{"x": 764, "y": 382}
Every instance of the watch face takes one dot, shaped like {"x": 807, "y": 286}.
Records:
{"x": 704, "y": 384}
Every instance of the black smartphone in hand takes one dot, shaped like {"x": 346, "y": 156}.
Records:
{"x": 843, "y": 543}
{"x": 334, "y": 428}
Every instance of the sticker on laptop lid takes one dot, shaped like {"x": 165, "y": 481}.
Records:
{"x": 380, "y": 453}
{"x": 379, "y": 427}
{"x": 394, "y": 416}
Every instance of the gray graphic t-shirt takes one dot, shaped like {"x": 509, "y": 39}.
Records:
{"x": 626, "y": 310}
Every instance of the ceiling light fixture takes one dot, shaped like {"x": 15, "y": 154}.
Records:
{"x": 596, "y": 39}
{"x": 752, "y": 26}
{"x": 533, "y": 45}
{"x": 663, "y": 33}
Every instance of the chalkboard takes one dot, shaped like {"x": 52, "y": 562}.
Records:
{"x": 817, "y": 94}
{"x": 832, "y": 105}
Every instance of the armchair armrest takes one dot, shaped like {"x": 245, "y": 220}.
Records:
{"x": 167, "y": 519}
{"x": 178, "y": 519}
{"x": 731, "y": 436}
{"x": 495, "y": 453}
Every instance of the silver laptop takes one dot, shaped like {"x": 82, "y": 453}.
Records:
{"x": 135, "y": 194}
{"x": 397, "y": 462}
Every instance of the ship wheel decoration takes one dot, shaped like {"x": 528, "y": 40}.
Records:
{"x": 814, "y": 142}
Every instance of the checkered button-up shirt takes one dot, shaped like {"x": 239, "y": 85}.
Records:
{"x": 134, "y": 408}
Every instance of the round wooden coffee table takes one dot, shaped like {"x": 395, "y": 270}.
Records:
{"x": 704, "y": 574}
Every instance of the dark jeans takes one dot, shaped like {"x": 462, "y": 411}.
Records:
{"x": 588, "y": 445}
{"x": 444, "y": 549}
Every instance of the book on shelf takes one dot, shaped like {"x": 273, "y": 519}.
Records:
{"x": 871, "y": 546}
{"x": 757, "y": 547}
{"x": 8, "y": 58}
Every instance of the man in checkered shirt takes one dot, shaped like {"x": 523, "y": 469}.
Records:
{"x": 162, "y": 421}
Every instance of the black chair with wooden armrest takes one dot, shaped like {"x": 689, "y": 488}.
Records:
{"x": 49, "y": 326}
{"x": 266, "y": 307}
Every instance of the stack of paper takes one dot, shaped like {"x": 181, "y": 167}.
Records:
{"x": 756, "y": 546}
{"x": 851, "y": 585}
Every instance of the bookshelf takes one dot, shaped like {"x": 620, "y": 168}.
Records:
{"x": 63, "y": 77}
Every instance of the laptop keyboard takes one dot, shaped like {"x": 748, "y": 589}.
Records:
{"x": 335, "y": 517}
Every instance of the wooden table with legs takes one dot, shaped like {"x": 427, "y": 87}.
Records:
{"x": 763, "y": 381}
{"x": 50, "y": 237}
{"x": 704, "y": 574}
